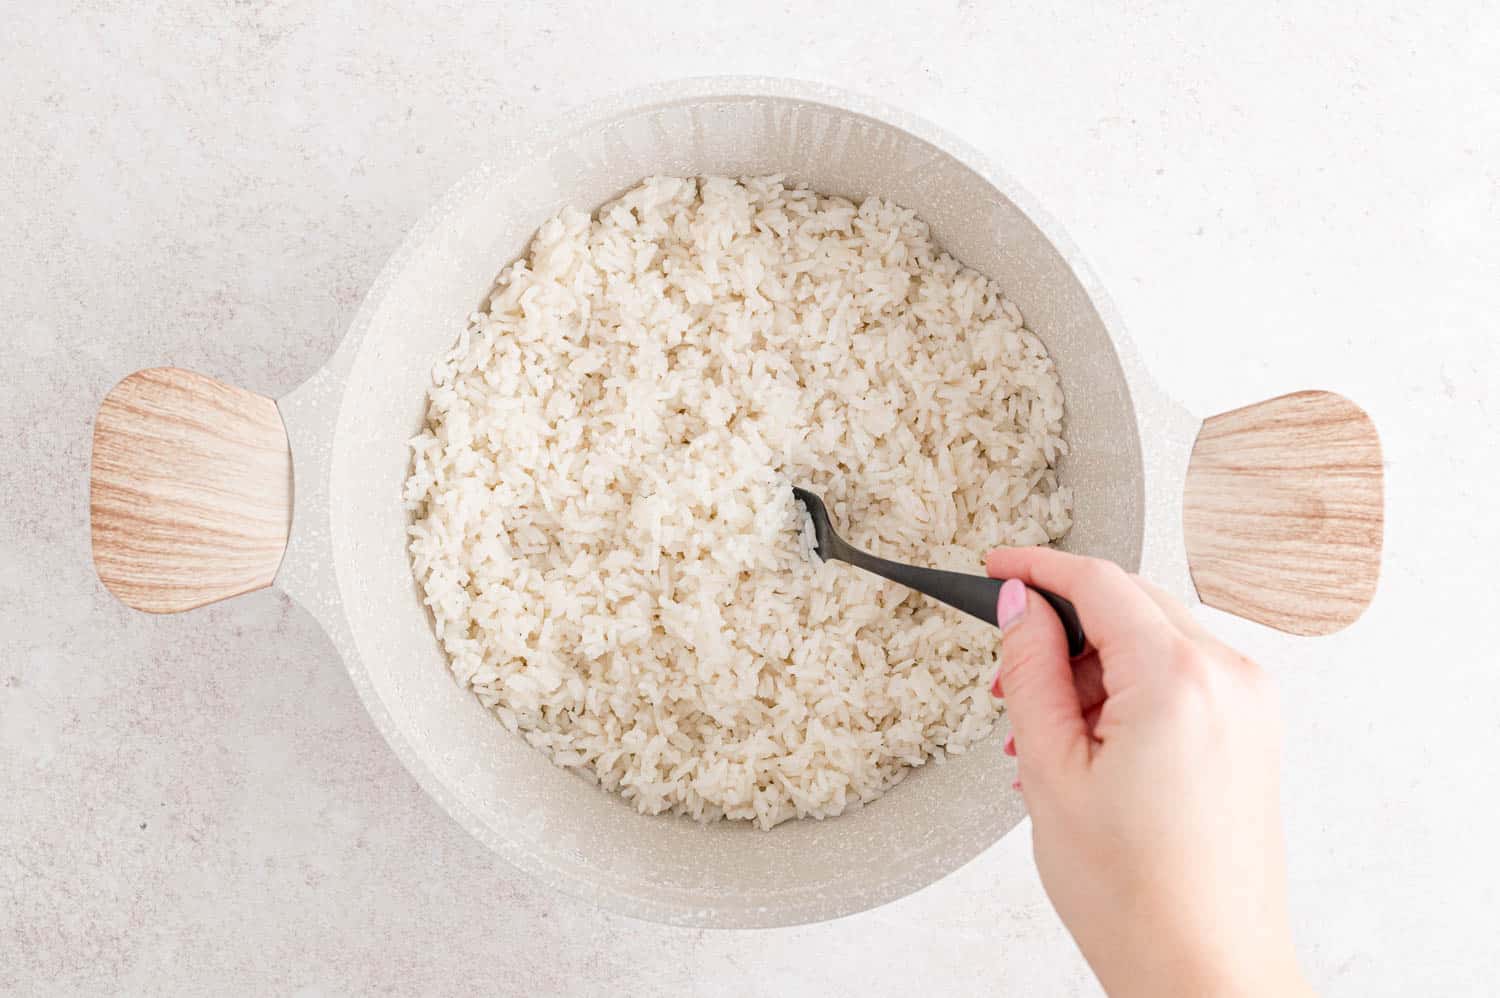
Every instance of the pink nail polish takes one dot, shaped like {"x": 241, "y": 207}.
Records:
{"x": 1016, "y": 785}
{"x": 1011, "y": 603}
{"x": 996, "y": 690}
{"x": 1010, "y": 745}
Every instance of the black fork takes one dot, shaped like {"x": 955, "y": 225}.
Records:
{"x": 975, "y": 595}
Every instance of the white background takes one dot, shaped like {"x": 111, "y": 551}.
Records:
{"x": 1277, "y": 199}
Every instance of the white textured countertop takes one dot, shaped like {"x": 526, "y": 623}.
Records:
{"x": 199, "y": 803}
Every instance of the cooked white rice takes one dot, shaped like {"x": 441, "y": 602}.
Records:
{"x": 604, "y": 526}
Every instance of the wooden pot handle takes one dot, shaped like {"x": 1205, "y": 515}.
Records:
{"x": 190, "y": 494}
{"x": 1283, "y": 512}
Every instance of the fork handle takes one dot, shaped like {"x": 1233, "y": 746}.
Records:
{"x": 976, "y": 595}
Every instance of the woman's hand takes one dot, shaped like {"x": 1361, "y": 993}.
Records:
{"x": 1150, "y": 768}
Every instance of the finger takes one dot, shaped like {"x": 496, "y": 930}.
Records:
{"x": 1045, "y": 716}
{"x": 1088, "y": 680}
{"x": 1116, "y": 614}
{"x": 1181, "y": 617}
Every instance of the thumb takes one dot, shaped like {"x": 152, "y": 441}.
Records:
{"x": 1040, "y": 697}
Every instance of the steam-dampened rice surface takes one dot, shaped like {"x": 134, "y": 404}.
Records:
{"x": 604, "y": 528}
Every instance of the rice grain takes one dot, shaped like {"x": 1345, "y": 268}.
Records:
{"x": 603, "y": 526}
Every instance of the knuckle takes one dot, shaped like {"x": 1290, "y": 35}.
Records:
{"x": 1260, "y": 689}
{"x": 1103, "y": 574}
{"x": 1146, "y": 586}
{"x": 1184, "y": 657}
{"x": 1206, "y": 684}
{"x": 1193, "y": 680}
{"x": 1251, "y": 674}
{"x": 1186, "y": 705}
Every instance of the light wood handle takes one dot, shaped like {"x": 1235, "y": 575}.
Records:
{"x": 190, "y": 495}
{"x": 1283, "y": 512}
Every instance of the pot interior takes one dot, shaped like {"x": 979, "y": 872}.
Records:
{"x": 574, "y": 836}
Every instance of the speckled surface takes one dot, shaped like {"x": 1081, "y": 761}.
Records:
{"x": 200, "y": 803}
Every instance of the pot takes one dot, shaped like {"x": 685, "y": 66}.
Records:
{"x": 202, "y": 491}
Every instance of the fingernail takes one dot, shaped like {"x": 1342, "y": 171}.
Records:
{"x": 1010, "y": 745}
{"x": 1011, "y": 603}
{"x": 996, "y": 690}
{"x": 1016, "y": 785}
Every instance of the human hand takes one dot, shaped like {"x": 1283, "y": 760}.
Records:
{"x": 1150, "y": 768}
